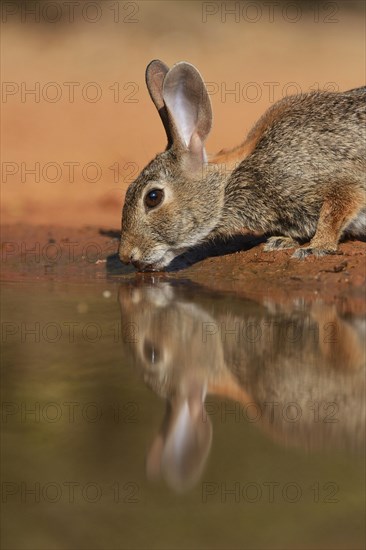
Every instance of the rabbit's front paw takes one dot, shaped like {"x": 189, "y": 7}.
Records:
{"x": 302, "y": 253}
{"x": 279, "y": 243}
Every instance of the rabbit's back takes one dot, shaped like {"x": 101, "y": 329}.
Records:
{"x": 325, "y": 132}
{"x": 303, "y": 149}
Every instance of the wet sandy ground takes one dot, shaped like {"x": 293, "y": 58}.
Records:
{"x": 90, "y": 253}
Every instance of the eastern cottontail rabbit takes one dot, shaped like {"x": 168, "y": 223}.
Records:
{"x": 300, "y": 175}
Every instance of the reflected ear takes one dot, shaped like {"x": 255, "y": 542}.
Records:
{"x": 153, "y": 459}
{"x": 156, "y": 71}
{"x": 189, "y": 109}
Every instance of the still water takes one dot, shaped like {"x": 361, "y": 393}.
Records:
{"x": 163, "y": 415}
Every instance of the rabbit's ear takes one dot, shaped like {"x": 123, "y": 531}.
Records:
{"x": 155, "y": 73}
{"x": 189, "y": 109}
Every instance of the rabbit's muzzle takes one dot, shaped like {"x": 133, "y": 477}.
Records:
{"x": 131, "y": 256}
{"x": 128, "y": 254}
{"x": 125, "y": 258}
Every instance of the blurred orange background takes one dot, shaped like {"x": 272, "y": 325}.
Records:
{"x": 71, "y": 147}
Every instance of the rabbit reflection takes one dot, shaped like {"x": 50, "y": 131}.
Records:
{"x": 299, "y": 370}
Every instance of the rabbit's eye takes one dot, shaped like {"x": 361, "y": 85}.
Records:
{"x": 154, "y": 197}
{"x": 151, "y": 352}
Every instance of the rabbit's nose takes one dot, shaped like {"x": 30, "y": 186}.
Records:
{"x": 124, "y": 255}
{"x": 128, "y": 256}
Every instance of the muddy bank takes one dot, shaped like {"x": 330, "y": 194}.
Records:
{"x": 31, "y": 253}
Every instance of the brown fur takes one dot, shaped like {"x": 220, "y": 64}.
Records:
{"x": 233, "y": 157}
{"x": 338, "y": 209}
